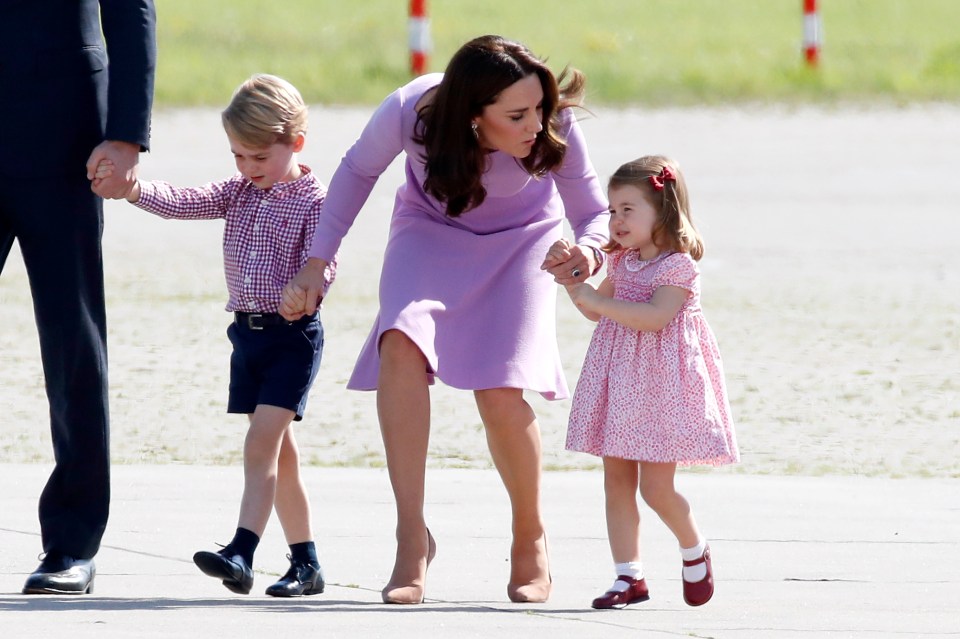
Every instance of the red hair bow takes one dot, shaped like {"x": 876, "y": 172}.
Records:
{"x": 658, "y": 180}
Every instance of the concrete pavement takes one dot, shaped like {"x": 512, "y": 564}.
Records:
{"x": 793, "y": 556}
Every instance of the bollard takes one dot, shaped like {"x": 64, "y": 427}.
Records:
{"x": 811, "y": 33}
{"x": 419, "y": 36}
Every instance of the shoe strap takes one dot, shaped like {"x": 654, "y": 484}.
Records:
{"x": 702, "y": 559}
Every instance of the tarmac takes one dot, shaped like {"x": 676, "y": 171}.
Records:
{"x": 826, "y": 556}
{"x": 834, "y": 556}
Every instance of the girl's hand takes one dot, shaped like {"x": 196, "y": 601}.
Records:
{"x": 583, "y": 296}
{"x": 590, "y": 300}
{"x": 569, "y": 263}
{"x": 557, "y": 254}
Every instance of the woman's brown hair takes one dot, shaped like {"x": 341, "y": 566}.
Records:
{"x": 474, "y": 78}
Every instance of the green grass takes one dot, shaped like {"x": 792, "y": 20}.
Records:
{"x": 633, "y": 51}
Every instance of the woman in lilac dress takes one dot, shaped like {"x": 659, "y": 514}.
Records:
{"x": 494, "y": 160}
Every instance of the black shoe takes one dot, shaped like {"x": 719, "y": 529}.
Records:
{"x": 237, "y": 576}
{"x": 60, "y": 574}
{"x": 301, "y": 579}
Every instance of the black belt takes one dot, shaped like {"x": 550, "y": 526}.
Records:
{"x": 260, "y": 321}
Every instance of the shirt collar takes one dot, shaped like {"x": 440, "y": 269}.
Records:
{"x": 283, "y": 189}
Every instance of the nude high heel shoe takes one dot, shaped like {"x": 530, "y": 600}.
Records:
{"x": 402, "y": 591}
{"x": 533, "y": 591}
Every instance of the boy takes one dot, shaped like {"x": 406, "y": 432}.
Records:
{"x": 270, "y": 208}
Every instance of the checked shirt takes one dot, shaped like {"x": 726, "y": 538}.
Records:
{"x": 266, "y": 234}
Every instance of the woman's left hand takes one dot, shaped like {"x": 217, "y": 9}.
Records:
{"x": 569, "y": 263}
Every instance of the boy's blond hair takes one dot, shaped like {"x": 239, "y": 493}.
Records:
{"x": 265, "y": 110}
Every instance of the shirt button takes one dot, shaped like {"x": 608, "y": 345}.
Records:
{"x": 247, "y": 280}
{"x": 253, "y": 253}
{"x": 256, "y": 227}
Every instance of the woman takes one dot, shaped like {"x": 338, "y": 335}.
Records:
{"x": 494, "y": 159}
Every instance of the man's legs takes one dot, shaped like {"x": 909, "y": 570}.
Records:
{"x": 59, "y": 225}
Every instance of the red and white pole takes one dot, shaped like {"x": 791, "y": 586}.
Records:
{"x": 812, "y": 32}
{"x": 419, "y": 36}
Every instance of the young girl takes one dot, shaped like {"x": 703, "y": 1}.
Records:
{"x": 651, "y": 394}
{"x": 271, "y": 208}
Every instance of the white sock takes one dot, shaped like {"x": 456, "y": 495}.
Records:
{"x": 632, "y": 569}
{"x": 696, "y": 573}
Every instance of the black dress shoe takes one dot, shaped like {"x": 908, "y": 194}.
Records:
{"x": 301, "y": 579}
{"x": 237, "y": 576}
{"x": 60, "y": 574}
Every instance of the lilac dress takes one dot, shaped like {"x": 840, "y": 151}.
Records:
{"x": 469, "y": 290}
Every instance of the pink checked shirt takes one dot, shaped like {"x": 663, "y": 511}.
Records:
{"x": 266, "y": 234}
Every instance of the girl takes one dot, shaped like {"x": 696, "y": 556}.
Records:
{"x": 651, "y": 394}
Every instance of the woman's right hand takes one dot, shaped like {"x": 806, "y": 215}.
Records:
{"x": 301, "y": 296}
{"x": 569, "y": 263}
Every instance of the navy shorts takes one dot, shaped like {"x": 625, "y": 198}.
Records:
{"x": 274, "y": 362}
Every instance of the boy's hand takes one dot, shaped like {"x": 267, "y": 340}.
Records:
{"x": 104, "y": 170}
{"x": 293, "y": 303}
{"x": 303, "y": 293}
{"x": 125, "y": 157}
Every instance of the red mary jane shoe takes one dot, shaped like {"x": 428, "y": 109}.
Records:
{"x": 636, "y": 593}
{"x": 697, "y": 593}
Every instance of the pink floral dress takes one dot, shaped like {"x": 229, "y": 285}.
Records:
{"x": 654, "y": 396}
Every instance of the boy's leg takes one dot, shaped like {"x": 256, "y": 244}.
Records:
{"x": 291, "y": 501}
{"x": 261, "y": 452}
{"x": 234, "y": 564}
{"x": 305, "y": 577}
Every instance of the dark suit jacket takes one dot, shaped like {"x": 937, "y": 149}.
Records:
{"x": 60, "y": 93}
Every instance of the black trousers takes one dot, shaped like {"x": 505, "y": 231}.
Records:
{"x": 58, "y": 223}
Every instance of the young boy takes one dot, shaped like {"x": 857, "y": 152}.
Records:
{"x": 271, "y": 208}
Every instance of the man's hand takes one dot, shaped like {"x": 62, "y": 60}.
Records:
{"x": 124, "y": 156}
{"x": 303, "y": 293}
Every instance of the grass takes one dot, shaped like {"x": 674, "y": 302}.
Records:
{"x": 633, "y": 51}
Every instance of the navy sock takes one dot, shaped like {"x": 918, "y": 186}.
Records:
{"x": 304, "y": 553}
{"x": 245, "y": 544}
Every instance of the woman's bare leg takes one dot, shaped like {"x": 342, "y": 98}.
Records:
{"x": 513, "y": 436}
{"x": 403, "y": 405}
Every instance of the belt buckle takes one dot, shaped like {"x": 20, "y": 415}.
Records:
{"x": 250, "y": 321}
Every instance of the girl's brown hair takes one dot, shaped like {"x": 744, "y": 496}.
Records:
{"x": 474, "y": 78}
{"x": 674, "y": 229}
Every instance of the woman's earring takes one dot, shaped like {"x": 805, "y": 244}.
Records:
{"x": 473, "y": 127}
